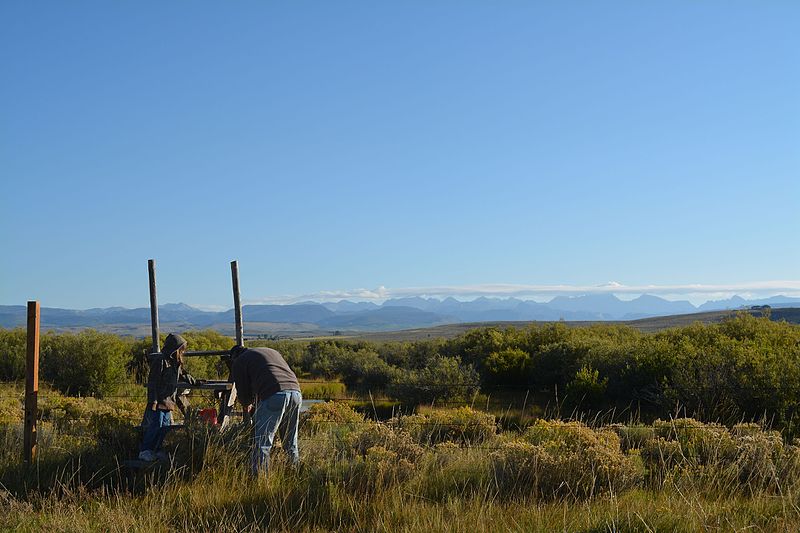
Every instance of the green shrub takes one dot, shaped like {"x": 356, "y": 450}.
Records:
{"x": 443, "y": 380}
{"x": 507, "y": 368}
{"x": 11, "y": 410}
{"x": 452, "y": 471}
{"x": 323, "y": 358}
{"x": 742, "y": 429}
{"x": 12, "y": 354}
{"x": 789, "y": 468}
{"x": 80, "y": 415}
{"x": 365, "y": 371}
{"x": 322, "y": 390}
{"x": 85, "y": 363}
{"x": 206, "y": 340}
{"x": 116, "y": 433}
{"x": 12, "y": 399}
{"x": 587, "y": 388}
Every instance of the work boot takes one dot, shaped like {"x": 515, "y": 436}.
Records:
{"x": 147, "y": 455}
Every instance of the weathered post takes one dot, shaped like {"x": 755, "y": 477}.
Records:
{"x": 151, "y": 268}
{"x": 31, "y": 383}
{"x": 237, "y": 304}
{"x": 229, "y": 398}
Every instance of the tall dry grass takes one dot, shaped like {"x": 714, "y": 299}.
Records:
{"x": 360, "y": 475}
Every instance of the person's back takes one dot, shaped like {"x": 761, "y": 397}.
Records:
{"x": 261, "y": 372}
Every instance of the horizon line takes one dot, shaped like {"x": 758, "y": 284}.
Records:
{"x": 693, "y": 291}
{"x": 697, "y": 294}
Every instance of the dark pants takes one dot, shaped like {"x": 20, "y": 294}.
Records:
{"x": 155, "y": 426}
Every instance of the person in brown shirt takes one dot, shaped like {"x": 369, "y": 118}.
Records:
{"x": 268, "y": 388}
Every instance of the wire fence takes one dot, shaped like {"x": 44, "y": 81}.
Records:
{"x": 510, "y": 401}
{"x": 437, "y": 385}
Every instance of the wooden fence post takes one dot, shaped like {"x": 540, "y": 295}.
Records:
{"x": 151, "y": 270}
{"x": 31, "y": 383}
{"x": 237, "y": 303}
{"x": 228, "y": 399}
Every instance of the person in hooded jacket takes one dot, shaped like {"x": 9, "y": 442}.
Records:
{"x": 166, "y": 370}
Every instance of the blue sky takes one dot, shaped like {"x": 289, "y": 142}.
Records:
{"x": 332, "y": 146}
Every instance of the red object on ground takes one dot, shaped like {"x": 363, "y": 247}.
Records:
{"x": 209, "y": 416}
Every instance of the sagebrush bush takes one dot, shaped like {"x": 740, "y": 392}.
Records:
{"x": 564, "y": 459}
{"x": 382, "y": 435}
{"x": 758, "y": 458}
{"x": 463, "y": 425}
{"x": 703, "y": 443}
{"x": 569, "y": 436}
{"x": 660, "y": 455}
{"x": 449, "y": 471}
{"x": 378, "y": 469}
{"x": 633, "y": 437}
{"x": 745, "y": 458}
{"x": 330, "y": 416}
{"x": 367, "y": 459}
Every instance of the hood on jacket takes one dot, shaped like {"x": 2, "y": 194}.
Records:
{"x": 172, "y": 343}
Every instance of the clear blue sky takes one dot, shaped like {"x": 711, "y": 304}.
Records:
{"x": 338, "y": 145}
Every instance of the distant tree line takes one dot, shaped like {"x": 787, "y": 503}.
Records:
{"x": 744, "y": 368}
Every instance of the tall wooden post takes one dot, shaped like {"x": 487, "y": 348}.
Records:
{"x": 237, "y": 304}
{"x": 31, "y": 383}
{"x": 151, "y": 269}
{"x": 228, "y": 399}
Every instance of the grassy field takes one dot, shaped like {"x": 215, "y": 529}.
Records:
{"x": 439, "y": 470}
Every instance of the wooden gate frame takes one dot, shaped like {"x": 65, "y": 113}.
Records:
{"x": 225, "y": 389}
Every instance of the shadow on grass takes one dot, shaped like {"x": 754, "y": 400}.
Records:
{"x": 102, "y": 458}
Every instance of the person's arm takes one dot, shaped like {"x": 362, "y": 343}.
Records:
{"x": 240, "y": 379}
{"x": 186, "y": 377}
{"x": 153, "y": 381}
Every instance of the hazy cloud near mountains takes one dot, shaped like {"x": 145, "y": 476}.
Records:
{"x": 697, "y": 291}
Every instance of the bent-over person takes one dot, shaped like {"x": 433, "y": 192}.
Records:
{"x": 268, "y": 388}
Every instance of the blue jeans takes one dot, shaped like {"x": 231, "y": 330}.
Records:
{"x": 279, "y": 412}
{"x": 155, "y": 425}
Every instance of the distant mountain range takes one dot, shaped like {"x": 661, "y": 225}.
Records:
{"x": 395, "y": 314}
